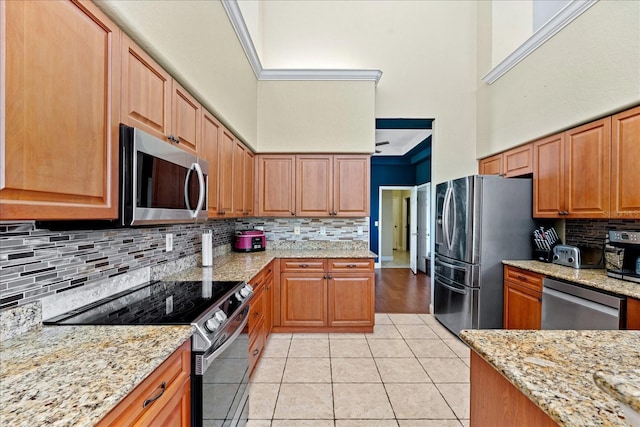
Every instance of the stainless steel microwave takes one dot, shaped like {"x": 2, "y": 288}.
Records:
{"x": 160, "y": 183}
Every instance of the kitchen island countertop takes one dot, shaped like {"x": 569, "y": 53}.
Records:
{"x": 595, "y": 278}
{"x": 75, "y": 375}
{"x": 243, "y": 266}
{"x": 555, "y": 369}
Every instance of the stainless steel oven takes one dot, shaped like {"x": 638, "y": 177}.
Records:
{"x": 220, "y": 347}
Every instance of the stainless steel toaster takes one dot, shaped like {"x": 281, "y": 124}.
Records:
{"x": 567, "y": 255}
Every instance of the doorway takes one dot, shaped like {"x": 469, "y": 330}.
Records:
{"x": 394, "y": 232}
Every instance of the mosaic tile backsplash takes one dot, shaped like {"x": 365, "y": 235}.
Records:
{"x": 592, "y": 232}
{"x": 38, "y": 263}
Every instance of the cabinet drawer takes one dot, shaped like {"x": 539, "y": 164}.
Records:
{"x": 351, "y": 264}
{"x": 256, "y": 311}
{"x": 303, "y": 265}
{"x": 256, "y": 347}
{"x": 157, "y": 390}
{"x": 524, "y": 277}
{"x": 257, "y": 282}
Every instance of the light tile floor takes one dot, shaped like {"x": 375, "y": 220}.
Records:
{"x": 410, "y": 372}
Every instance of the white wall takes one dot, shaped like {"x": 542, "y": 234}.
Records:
{"x": 512, "y": 22}
{"x": 426, "y": 50}
{"x": 587, "y": 70}
{"x": 316, "y": 116}
{"x": 196, "y": 43}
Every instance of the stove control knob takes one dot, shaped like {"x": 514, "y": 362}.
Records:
{"x": 246, "y": 290}
{"x": 239, "y": 297}
{"x": 220, "y": 316}
{"x": 212, "y": 324}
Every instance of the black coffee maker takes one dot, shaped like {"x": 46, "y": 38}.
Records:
{"x": 622, "y": 255}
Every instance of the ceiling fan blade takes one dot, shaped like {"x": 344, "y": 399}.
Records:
{"x": 382, "y": 143}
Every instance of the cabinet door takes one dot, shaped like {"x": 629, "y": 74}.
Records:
{"x": 351, "y": 299}
{"x": 209, "y": 150}
{"x": 145, "y": 101}
{"x": 303, "y": 299}
{"x": 268, "y": 301}
{"x": 276, "y": 185}
{"x": 314, "y": 185}
{"x": 633, "y": 313}
{"x": 238, "y": 185}
{"x": 174, "y": 413}
{"x": 61, "y": 81}
{"x": 587, "y": 165}
{"x": 351, "y": 186}
{"x": 625, "y": 161}
{"x": 491, "y": 165}
{"x": 548, "y": 177}
{"x": 522, "y": 307}
{"x": 226, "y": 142}
{"x": 186, "y": 114}
{"x": 249, "y": 182}
{"x": 518, "y": 161}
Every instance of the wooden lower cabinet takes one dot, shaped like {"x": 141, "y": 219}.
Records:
{"x": 351, "y": 299}
{"x": 497, "y": 402}
{"x": 260, "y": 314}
{"x": 522, "y": 299}
{"x": 163, "y": 399}
{"x": 633, "y": 313}
{"x": 326, "y": 295}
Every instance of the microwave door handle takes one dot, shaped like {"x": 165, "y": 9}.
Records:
{"x": 201, "y": 195}
{"x": 186, "y": 188}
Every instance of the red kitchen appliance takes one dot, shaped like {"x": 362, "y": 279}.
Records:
{"x": 249, "y": 241}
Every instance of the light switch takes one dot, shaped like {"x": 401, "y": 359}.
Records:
{"x": 296, "y": 230}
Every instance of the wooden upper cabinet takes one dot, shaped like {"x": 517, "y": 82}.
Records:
{"x": 518, "y": 161}
{"x": 625, "y": 165}
{"x": 276, "y": 189}
{"x": 351, "y": 185}
{"x": 209, "y": 150}
{"x": 491, "y": 165}
{"x": 238, "y": 184}
{"x": 548, "y": 183}
{"x": 226, "y": 147}
{"x": 314, "y": 185}
{"x": 588, "y": 167}
{"x": 249, "y": 182}
{"x": 61, "y": 80}
{"x": 186, "y": 113}
{"x": 145, "y": 101}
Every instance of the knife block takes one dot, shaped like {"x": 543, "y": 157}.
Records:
{"x": 544, "y": 255}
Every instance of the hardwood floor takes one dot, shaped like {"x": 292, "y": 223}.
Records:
{"x": 398, "y": 290}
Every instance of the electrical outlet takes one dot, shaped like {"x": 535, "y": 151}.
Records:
{"x": 296, "y": 230}
{"x": 375, "y": 223}
{"x": 323, "y": 231}
{"x": 169, "y": 242}
{"x": 360, "y": 230}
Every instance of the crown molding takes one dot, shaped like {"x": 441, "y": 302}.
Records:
{"x": 237, "y": 21}
{"x": 548, "y": 30}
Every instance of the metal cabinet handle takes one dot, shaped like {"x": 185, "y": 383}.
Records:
{"x": 256, "y": 351}
{"x": 292, "y": 213}
{"x": 524, "y": 279}
{"x": 304, "y": 265}
{"x": 150, "y": 400}
{"x": 330, "y": 277}
{"x": 351, "y": 266}
{"x": 256, "y": 314}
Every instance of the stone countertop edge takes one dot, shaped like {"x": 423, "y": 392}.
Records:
{"x": 595, "y": 278}
{"x": 75, "y": 375}
{"x": 242, "y": 266}
{"x": 623, "y": 385}
{"x": 555, "y": 369}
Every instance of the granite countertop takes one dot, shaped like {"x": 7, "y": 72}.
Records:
{"x": 243, "y": 266}
{"x": 74, "y": 375}
{"x": 623, "y": 385}
{"x": 555, "y": 369}
{"x": 595, "y": 278}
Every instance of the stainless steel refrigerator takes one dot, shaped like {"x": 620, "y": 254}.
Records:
{"x": 480, "y": 221}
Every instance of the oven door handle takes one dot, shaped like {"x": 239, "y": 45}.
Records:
{"x": 207, "y": 360}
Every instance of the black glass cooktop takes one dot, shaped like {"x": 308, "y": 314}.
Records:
{"x": 155, "y": 303}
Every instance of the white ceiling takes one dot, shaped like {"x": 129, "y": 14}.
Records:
{"x": 401, "y": 141}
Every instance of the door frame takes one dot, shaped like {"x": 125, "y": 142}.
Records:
{"x": 382, "y": 188}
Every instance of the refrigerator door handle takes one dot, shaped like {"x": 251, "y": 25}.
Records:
{"x": 452, "y": 202}
{"x": 455, "y": 289}
{"x": 445, "y": 217}
{"x": 453, "y": 266}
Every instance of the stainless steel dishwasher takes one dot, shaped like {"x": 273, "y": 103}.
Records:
{"x": 568, "y": 306}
